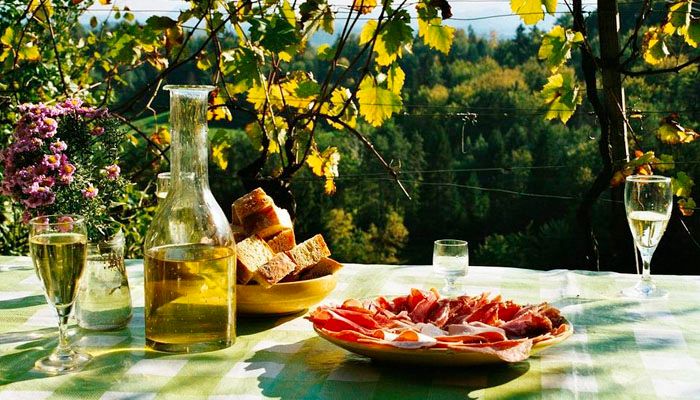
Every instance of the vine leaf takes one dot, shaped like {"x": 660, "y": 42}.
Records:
{"x": 642, "y": 164}
{"x": 687, "y": 206}
{"x": 395, "y": 79}
{"x": 431, "y": 30}
{"x": 654, "y": 48}
{"x": 218, "y": 110}
{"x": 41, "y": 9}
{"x": 678, "y": 18}
{"x": 682, "y": 184}
{"x": 325, "y": 165}
{"x": 672, "y": 132}
{"x": 692, "y": 37}
{"x": 241, "y": 66}
{"x": 218, "y": 155}
{"x": 336, "y": 108}
{"x": 364, "y": 6}
{"x": 532, "y": 11}
{"x": 377, "y": 104}
{"x": 561, "y": 95}
{"x": 556, "y": 46}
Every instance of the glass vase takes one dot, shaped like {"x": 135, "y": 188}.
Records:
{"x": 104, "y": 299}
{"x": 190, "y": 256}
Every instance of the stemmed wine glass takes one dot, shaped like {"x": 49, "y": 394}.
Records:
{"x": 648, "y": 202}
{"x": 451, "y": 260}
{"x": 58, "y": 246}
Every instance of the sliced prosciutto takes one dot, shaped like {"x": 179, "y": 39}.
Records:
{"x": 423, "y": 320}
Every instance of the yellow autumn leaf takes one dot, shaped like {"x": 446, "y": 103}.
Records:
{"x": 531, "y": 11}
{"x": 218, "y": 155}
{"x": 435, "y": 34}
{"x": 654, "y": 48}
{"x": 41, "y": 9}
{"x": 395, "y": 79}
{"x": 161, "y": 136}
{"x": 218, "y": 110}
{"x": 377, "y": 104}
{"x": 325, "y": 165}
{"x": 364, "y": 6}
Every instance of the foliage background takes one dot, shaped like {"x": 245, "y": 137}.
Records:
{"x": 505, "y": 179}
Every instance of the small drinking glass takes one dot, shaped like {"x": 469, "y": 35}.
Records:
{"x": 451, "y": 260}
{"x": 648, "y": 202}
{"x": 162, "y": 185}
{"x": 58, "y": 246}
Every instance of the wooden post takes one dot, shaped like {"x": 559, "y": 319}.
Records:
{"x": 614, "y": 104}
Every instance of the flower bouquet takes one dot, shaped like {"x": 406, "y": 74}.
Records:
{"x": 62, "y": 159}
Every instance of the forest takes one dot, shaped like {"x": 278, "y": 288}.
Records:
{"x": 471, "y": 146}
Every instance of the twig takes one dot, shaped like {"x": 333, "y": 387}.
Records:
{"x": 371, "y": 148}
{"x": 677, "y": 68}
{"x": 150, "y": 142}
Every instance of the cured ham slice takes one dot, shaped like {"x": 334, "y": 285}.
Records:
{"x": 424, "y": 320}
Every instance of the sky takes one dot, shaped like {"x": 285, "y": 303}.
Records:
{"x": 500, "y": 19}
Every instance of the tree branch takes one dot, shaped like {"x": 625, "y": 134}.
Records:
{"x": 371, "y": 148}
{"x": 677, "y": 68}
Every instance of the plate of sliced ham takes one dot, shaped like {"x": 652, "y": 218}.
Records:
{"x": 425, "y": 328}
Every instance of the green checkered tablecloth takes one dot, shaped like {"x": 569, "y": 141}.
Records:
{"x": 620, "y": 349}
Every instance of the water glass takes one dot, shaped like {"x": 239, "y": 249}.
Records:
{"x": 451, "y": 260}
{"x": 162, "y": 185}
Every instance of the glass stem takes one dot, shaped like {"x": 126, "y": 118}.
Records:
{"x": 63, "y": 348}
{"x": 646, "y": 254}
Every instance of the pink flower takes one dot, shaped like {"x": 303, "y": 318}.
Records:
{"x": 65, "y": 223}
{"x": 66, "y": 173}
{"x": 72, "y": 103}
{"x": 39, "y": 196}
{"x": 90, "y": 192}
{"x": 112, "y": 172}
{"x": 51, "y": 161}
{"x": 97, "y": 131}
{"x": 58, "y": 146}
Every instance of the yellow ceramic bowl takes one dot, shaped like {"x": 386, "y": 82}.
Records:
{"x": 283, "y": 298}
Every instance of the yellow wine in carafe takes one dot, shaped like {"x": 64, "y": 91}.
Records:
{"x": 190, "y": 300}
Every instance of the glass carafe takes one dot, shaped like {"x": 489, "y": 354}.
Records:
{"x": 190, "y": 256}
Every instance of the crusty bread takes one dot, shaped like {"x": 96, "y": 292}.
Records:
{"x": 238, "y": 233}
{"x": 252, "y": 252}
{"x": 308, "y": 254}
{"x": 274, "y": 270}
{"x": 250, "y": 203}
{"x": 283, "y": 241}
{"x": 326, "y": 266}
{"x": 267, "y": 222}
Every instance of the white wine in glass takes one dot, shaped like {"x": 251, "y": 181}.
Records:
{"x": 58, "y": 246}
{"x": 648, "y": 202}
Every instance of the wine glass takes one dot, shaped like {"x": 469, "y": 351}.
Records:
{"x": 58, "y": 246}
{"x": 451, "y": 260}
{"x": 162, "y": 185}
{"x": 648, "y": 202}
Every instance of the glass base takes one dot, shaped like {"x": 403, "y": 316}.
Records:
{"x": 187, "y": 348}
{"x": 644, "y": 290}
{"x": 451, "y": 290}
{"x": 62, "y": 364}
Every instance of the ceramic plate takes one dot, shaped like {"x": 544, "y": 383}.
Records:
{"x": 283, "y": 298}
{"x": 437, "y": 357}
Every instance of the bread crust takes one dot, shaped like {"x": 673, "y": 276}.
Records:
{"x": 267, "y": 222}
{"x": 308, "y": 254}
{"x": 283, "y": 241}
{"x": 250, "y": 203}
{"x": 274, "y": 270}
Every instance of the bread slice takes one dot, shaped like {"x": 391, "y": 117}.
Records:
{"x": 238, "y": 233}
{"x": 274, "y": 270}
{"x": 283, "y": 241}
{"x": 267, "y": 222}
{"x": 252, "y": 252}
{"x": 308, "y": 254}
{"x": 326, "y": 266}
{"x": 250, "y": 203}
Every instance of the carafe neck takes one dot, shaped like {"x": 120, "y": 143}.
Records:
{"x": 188, "y": 125}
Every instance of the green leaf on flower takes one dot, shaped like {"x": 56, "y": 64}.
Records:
{"x": 561, "y": 95}
{"x": 532, "y": 11}
{"x": 682, "y": 185}
{"x": 377, "y": 104}
{"x": 556, "y": 46}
